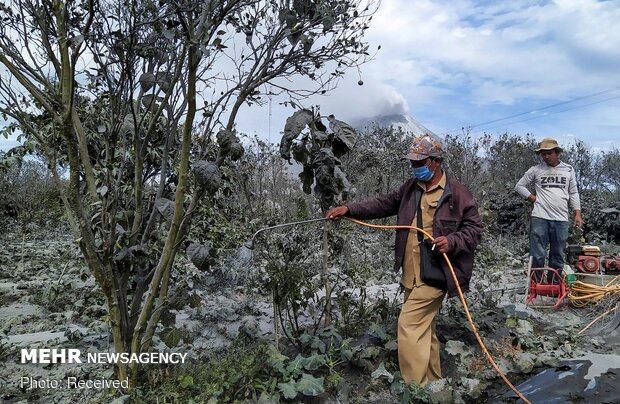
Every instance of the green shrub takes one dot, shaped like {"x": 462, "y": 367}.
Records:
{"x": 233, "y": 374}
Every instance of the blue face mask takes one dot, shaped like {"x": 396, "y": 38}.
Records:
{"x": 422, "y": 173}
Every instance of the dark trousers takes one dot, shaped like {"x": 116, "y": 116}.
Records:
{"x": 552, "y": 233}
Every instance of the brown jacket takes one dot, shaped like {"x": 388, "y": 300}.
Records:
{"x": 456, "y": 218}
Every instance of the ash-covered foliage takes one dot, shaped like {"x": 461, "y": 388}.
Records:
{"x": 28, "y": 195}
{"x": 221, "y": 306}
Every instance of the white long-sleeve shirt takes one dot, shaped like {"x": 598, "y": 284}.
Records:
{"x": 555, "y": 190}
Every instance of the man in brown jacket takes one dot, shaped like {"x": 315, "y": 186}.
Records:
{"x": 449, "y": 213}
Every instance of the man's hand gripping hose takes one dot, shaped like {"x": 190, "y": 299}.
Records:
{"x": 471, "y": 321}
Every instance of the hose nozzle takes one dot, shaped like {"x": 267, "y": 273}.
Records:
{"x": 250, "y": 243}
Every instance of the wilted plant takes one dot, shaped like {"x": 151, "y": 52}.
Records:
{"x": 318, "y": 150}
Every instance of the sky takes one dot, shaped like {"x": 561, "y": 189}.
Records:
{"x": 551, "y": 67}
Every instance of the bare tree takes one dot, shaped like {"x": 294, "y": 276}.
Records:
{"x": 129, "y": 98}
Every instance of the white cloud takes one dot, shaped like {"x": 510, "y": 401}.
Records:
{"x": 373, "y": 98}
{"x": 533, "y": 49}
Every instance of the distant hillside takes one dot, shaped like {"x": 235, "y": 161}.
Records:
{"x": 405, "y": 122}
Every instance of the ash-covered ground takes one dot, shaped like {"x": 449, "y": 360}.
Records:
{"x": 49, "y": 300}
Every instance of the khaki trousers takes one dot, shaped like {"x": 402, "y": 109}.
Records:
{"x": 418, "y": 346}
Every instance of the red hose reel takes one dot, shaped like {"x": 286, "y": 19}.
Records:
{"x": 547, "y": 288}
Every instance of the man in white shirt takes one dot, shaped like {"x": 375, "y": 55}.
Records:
{"x": 555, "y": 190}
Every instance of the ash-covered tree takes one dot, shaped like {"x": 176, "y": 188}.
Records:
{"x": 610, "y": 162}
{"x": 376, "y": 165}
{"x": 507, "y": 158}
{"x": 28, "y": 197}
{"x": 133, "y": 97}
{"x": 598, "y": 181}
{"x": 463, "y": 160}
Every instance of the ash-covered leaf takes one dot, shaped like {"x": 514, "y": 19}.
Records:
{"x": 307, "y": 178}
{"x": 296, "y": 365}
{"x": 318, "y": 345}
{"x": 120, "y": 230}
{"x": 333, "y": 334}
{"x": 287, "y": 16}
{"x": 378, "y": 331}
{"x": 324, "y": 157}
{"x": 207, "y": 175}
{"x": 165, "y": 207}
{"x": 321, "y": 136}
{"x": 309, "y": 385}
{"x": 171, "y": 336}
{"x": 305, "y": 339}
{"x": 328, "y": 21}
{"x": 293, "y": 36}
{"x": 147, "y": 81}
{"x": 169, "y": 34}
{"x": 313, "y": 362}
{"x": 276, "y": 360}
{"x": 300, "y": 152}
{"x": 77, "y": 40}
{"x": 344, "y": 136}
{"x": 329, "y": 182}
{"x": 325, "y": 196}
{"x": 391, "y": 345}
{"x": 129, "y": 125}
{"x": 229, "y": 144}
{"x": 307, "y": 42}
{"x": 344, "y": 186}
{"x": 151, "y": 101}
{"x": 236, "y": 151}
{"x": 288, "y": 390}
{"x": 198, "y": 254}
{"x": 325, "y": 179}
{"x": 293, "y": 127}
{"x": 164, "y": 80}
{"x": 382, "y": 372}
{"x": 456, "y": 348}
{"x": 370, "y": 352}
{"x": 398, "y": 386}
{"x": 135, "y": 253}
{"x": 121, "y": 254}
{"x": 225, "y": 138}
{"x": 346, "y": 354}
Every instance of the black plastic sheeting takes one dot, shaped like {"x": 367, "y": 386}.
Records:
{"x": 594, "y": 378}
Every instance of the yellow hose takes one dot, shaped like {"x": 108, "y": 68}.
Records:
{"x": 582, "y": 293}
{"x": 471, "y": 321}
{"x": 596, "y": 319}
